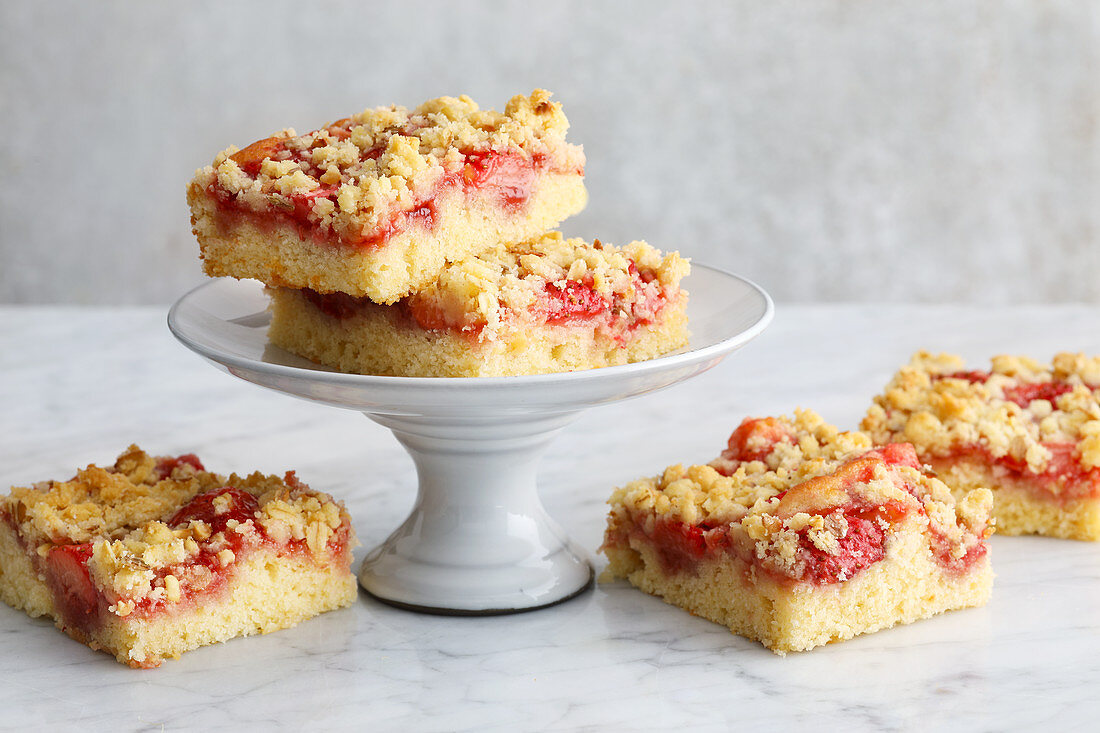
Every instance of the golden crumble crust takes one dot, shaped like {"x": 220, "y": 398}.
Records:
{"x": 351, "y": 173}
{"x": 483, "y": 292}
{"x": 125, "y": 514}
{"x": 105, "y": 502}
{"x": 941, "y": 408}
{"x": 787, "y": 476}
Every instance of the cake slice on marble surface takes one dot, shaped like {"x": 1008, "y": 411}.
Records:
{"x": 549, "y": 304}
{"x": 1028, "y": 431}
{"x": 152, "y": 557}
{"x": 799, "y": 535}
{"x": 377, "y": 203}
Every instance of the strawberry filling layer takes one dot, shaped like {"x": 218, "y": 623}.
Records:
{"x": 83, "y": 607}
{"x": 507, "y": 179}
{"x": 863, "y": 545}
{"x": 1021, "y": 393}
{"x": 1063, "y": 477}
{"x": 74, "y": 595}
{"x": 207, "y": 574}
{"x": 755, "y": 438}
{"x": 682, "y": 546}
{"x": 569, "y": 303}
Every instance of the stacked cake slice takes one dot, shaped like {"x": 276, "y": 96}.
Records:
{"x": 415, "y": 243}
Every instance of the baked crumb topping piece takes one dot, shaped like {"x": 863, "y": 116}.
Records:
{"x": 362, "y": 178}
{"x": 1036, "y": 422}
{"x": 546, "y": 281}
{"x": 150, "y": 536}
{"x": 801, "y": 501}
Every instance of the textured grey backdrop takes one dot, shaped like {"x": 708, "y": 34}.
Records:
{"x": 926, "y": 150}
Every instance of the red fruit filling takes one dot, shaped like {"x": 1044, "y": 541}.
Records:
{"x": 562, "y": 303}
{"x": 74, "y": 594}
{"x": 507, "y": 178}
{"x": 1064, "y": 477}
{"x": 79, "y": 602}
{"x": 941, "y": 550}
{"x": 975, "y": 376}
{"x": 252, "y": 157}
{"x": 755, "y": 438}
{"x": 681, "y": 546}
{"x": 205, "y": 574}
{"x": 1022, "y": 393}
{"x": 165, "y": 466}
{"x": 862, "y": 546}
{"x": 896, "y": 454}
{"x": 570, "y": 302}
{"x": 241, "y": 507}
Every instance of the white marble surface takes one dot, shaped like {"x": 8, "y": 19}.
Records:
{"x": 77, "y": 385}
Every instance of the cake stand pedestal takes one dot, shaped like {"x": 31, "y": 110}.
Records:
{"x": 478, "y": 540}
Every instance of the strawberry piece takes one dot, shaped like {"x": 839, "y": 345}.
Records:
{"x": 755, "y": 438}
{"x": 572, "y": 301}
{"x": 242, "y": 507}
{"x": 165, "y": 466}
{"x": 74, "y": 593}
{"x": 897, "y": 454}
{"x": 974, "y": 376}
{"x": 1023, "y": 393}
{"x": 510, "y": 177}
{"x": 252, "y": 157}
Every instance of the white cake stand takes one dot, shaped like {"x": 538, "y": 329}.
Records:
{"x": 478, "y": 540}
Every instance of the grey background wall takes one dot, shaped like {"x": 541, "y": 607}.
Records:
{"x": 918, "y": 150}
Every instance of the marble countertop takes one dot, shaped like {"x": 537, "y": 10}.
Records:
{"x": 78, "y": 385}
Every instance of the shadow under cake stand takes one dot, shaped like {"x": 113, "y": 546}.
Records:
{"x": 478, "y": 540}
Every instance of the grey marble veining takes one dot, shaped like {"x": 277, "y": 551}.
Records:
{"x": 78, "y": 385}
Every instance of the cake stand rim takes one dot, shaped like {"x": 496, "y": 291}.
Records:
{"x": 393, "y": 386}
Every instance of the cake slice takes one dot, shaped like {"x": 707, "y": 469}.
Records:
{"x": 546, "y": 305}
{"x": 375, "y": 204}
{"x": 799, "y": 535}
{"x": 1028, "y": 431}
{"x": 155, "y": 556}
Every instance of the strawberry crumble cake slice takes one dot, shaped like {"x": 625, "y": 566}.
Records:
{"x": 1028, "y": 431}
{"x": 800, "y": 535}
{"x": 156, "y": 556}
{"x": 375, "y": 204}
{"x": 546, "y": 305}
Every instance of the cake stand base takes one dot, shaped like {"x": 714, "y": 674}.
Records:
{"x": 478, "y": 540}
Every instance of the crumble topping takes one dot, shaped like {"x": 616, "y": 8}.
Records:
{"x": 1020, "y": 410}
{"x": 105, "y": 502}
{"x": 566, "y": 277}
{"x": 347, "y": 176}
{"x": 149, "y": 531}
{"x": 784, "y": 486}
